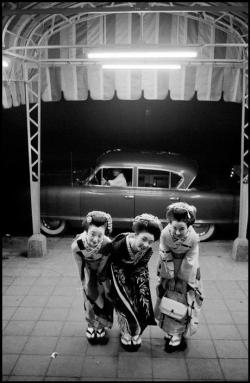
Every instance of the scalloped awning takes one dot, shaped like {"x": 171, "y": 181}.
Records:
{"x": 211, "y": 81}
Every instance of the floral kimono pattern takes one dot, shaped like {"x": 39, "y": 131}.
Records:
{"x": 130, "y": 286}
{"x": 179, "y": 259}
{"x": 97, "y": 302}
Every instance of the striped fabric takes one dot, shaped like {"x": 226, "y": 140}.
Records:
{"x": 210, "y": 81}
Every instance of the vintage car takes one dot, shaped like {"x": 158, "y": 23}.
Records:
{"x": 154, "y": 180}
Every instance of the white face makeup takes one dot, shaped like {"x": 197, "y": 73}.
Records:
{"x": 143, "y": 241}
{"x": 178, "y": 229}
{"x": 95, "y": 235}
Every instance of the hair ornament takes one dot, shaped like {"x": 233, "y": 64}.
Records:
{"x": 145, "y": 218}
{"x": 89, "y": 218}
{"x": 99, "y": 213}
{"x": 190, "y": 210}
{"x": 109, "y": 222}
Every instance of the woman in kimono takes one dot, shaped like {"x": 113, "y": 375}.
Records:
{"x": 88, "y": 251}
{"x": 179, "y": 273}
{"x": 129, "y": 257}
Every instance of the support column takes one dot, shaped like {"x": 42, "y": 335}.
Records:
{"x": 240, "y": 245}
{"x": 37, "y": 246}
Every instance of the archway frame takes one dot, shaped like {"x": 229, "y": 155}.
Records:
{"x": 57, "y": 19}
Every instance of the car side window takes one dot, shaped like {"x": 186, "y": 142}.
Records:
{"x": 125, "y": 174}
{"x": 158, "y": 179}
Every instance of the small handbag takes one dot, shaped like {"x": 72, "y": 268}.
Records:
{"x": 173, "y": 309}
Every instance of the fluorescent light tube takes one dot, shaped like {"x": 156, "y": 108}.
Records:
{"x": 141, "y": 66}
{"x": 5, "y": 63}
{"x": 167, "y": 54}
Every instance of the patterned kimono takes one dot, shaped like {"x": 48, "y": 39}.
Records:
{"x": 91, "y": 262}
{"x": 179, "y": 259}
{"x": 130, "y": 286}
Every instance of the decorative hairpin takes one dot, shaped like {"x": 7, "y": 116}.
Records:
{"x": 89, "y": 219}
{"x": 90, "y": 215}
{"x": 145, "y": 218}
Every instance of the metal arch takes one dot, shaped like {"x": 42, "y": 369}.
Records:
{"x": 5, "y": 29}
{"x": 154, "y": 8}
{"x": 220, "y": 25}
{"x": 19, "y": 31}
{"x": 33, "y": 74}
{"x": 55, "y": 28}
{"x": 66, "y": 24}
{"x": 10, "y": 19}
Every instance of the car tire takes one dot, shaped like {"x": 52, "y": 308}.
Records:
{"x": 205, "y": 231}
{"x": 53, "y": 226}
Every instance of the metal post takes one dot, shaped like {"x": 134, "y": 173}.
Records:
{"x": 240, "y": 246}
{"x": 37, "y": 242}
{"x": 243, "y": 217}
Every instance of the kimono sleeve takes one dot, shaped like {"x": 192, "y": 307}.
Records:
{"x": 78, "y": 258}
{"x": 165, "y": 267}
{"x": 74, "y": 246}
{"x": 104, "y": 265}
{"x": 190, "y": 264}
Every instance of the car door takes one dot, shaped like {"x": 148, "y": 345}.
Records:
{"x": 117, "y": 201}
{"x": 155, "y": 191}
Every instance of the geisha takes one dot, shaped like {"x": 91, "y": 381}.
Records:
{"x": 129, "y": 257}
{"x": 88, "y": 251}
{"x": 179, "y": 273}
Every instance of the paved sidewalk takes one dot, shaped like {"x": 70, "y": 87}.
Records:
{"x": 43, "y": 313}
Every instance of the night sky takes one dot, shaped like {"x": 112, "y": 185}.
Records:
{"x": 206, "y": 131}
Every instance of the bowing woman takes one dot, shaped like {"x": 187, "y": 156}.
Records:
{"x": 128, "y": 268}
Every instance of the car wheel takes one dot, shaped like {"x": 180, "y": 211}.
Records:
{"x": 205, "y": 230}
{"x": 52, "y": 226}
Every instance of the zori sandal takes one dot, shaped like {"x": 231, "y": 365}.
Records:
{"x": 101, "y": 336}
{"x": 136, "y": 339}
{"x": 126, "y": 342}
{"x": 91, "y": 335}
{"x": 167, "y": 336}
{"x": 136, "y": 342}
{"x": 175, "y": 340}
{"x": 100, "y": 333}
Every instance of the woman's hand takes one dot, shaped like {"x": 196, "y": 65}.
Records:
{"x": 171, "y": 284}
{"x": 103, "y": 181}
{"x": 180, "y": 286}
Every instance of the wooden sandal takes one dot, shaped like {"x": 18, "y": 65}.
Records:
{"x": 175, "y": 341}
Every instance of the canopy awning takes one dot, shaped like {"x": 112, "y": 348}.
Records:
{"x": 219, "y": 37}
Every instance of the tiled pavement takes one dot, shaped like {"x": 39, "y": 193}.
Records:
{"x": 43, "y": 313}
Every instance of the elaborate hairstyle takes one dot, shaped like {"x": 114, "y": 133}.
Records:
{"x": 98, "y": 218}
{"x": 181, "y": 211}
{"x": 149, "y": 223}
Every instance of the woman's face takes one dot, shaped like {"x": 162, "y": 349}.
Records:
{"x": 95, "y": 235}
{"x": 178, "y": 229}
{"x": 143, "y": 240}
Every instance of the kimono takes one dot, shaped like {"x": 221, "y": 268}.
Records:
{"x": 130, "y": 286}
{"x": 179, "y": 259}
{"x": 91, "y": 262}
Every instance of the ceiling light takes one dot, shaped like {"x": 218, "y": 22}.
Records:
{"x": 141, "y": 66}
{"x": 167, "y": 54}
